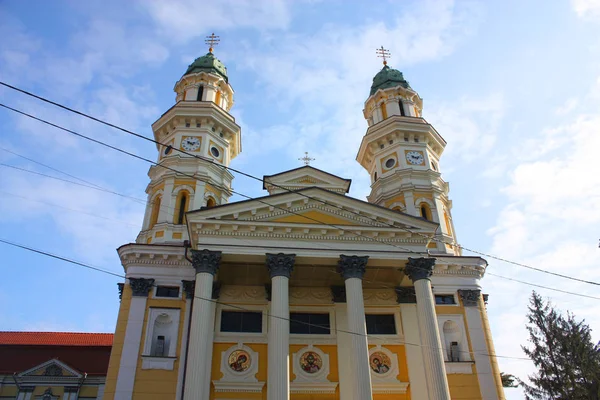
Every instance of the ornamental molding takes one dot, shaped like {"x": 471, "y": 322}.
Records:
{"x": 206, "y": 261}
{"x": 470, "y": 297}
{"x": 421, "y": 200}
{"x": 280, "y": 264}
{"x": 308, "y": 382}
{"x": 179, "y": 188}
{"x": 463, "y": 367}
{"x": 310, "y": 295}
{"x": 379, "y": 297}
{"x": 244, "y": 378}
{"x": 154, "y": 258}
{"x": 243, "y": 294}
{"x": 352, "y": 266}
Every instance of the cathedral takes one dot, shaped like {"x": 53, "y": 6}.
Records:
{"x": 305, "y": 292}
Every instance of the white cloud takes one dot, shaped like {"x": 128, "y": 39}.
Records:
{"x": 587, "y": 8}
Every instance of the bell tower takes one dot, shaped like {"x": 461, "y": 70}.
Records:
{"x": 401, "y": 151}
{"x": 198, "y": 137}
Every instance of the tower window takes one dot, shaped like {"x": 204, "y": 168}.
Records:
{"x": 425, "y": 212}
{"x": 200, "y": 93}
{"x": 390, "y": 163}
{"x": 181, "y": 207}
{"x": 434, "y": 166}
{"x": 383, "y": 111}
{"x": 241, "y": 321}
{"x": 381, "y": 324}
{"x": 309, "y": 323}
{"x": 215, "y": 152}
{"x": 375, "y": 176}
{"x": 210, "y": 202}
{"x": 416, "y": 140}
{"x": 402, "y": 112}
{"x": 218, "y": 98}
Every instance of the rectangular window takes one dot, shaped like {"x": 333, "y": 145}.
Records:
{"x": 381, "y": 324}
{"x": 310, "y": 323}
{"x": 444, "y": 299}
{"x": 167, "y": 291}
{"x": 241, "y": 321}
{"x": 402, "y": 112}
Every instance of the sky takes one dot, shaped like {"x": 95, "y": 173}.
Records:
{"x": 513, "y": 86}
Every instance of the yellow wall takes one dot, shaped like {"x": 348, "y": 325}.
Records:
{"x": 9, "y": 390}
{"x": 261, "y": 375}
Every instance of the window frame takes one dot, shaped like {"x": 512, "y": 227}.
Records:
{"x": 167, "y": 284}
{"x": 381, "y": 334}
{"x": 311, "y": 313}
{"x": 445, "y": 294}
{"x": 251, "y": 337}
{"x": 322, "y": 338}
{"x": 397, "y": 338}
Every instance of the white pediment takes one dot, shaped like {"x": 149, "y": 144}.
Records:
{"x": 305, "y": 177}
{"x": 50, "y": 369}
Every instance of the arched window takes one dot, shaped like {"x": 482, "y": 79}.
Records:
{"x": 402, "y": 112}
{"x": 200, "y": 93}
{"x": 155, "y": 211}
{"x": 218, "y": 98}
{"x": 448, "y": 225}
{"x": 181, "y": 207}
{"x": 425, "y": 211}
{"x": 211, "y": 202}
{"x": 374, "y": 176}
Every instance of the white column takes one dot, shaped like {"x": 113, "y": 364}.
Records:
{"x": 352, "y": 269}
{"x": 409, "y": 201}
{"x": 393, "y": 107}
{"x": 278, "y": 383}
{"x": 419, "y": 270}
{"x": 100, "y": 394}
{"x": 414, "y": 355}
{"x": 188, "y": 288}
{"x": 486, "y": 374}
{"x": 133, "y": 337}
{"x": 198, "y": 195}
{"x": 199, "y": 360}
{"x": 344, "y": 350}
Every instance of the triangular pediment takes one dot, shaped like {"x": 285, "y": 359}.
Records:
{"x": 51, "y": 368}
{"x": 311, "y": 215}
{"x": 305, "y": 177}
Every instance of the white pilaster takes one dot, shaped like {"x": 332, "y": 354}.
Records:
{"x": 165, "y": 214}
{"x": 483, "y": 362}
{"x": 199, "y": 360}
{"x": 189, "y": 293}
{"x": 419, "y": 270}
{"x": 392, "y": 107}
{"x": 352, "y": 269}
{"x": 198, "y": 195}
{"x": 100, "y": 394}
{"x": 344, "y": 351}
{"x": 133, "y": 337}
{"x": 278, "y": 383}
{"x": 409, "y": 200}
{"x": 414, "y": 355}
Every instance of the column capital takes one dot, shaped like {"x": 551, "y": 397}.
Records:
{"x": 188, "y": 288}
{"x": 120, "y": 285}
{"x": 280, "y": 264}
{"x": 470, "y": 298}
{"x": 352, "y": 266}
{"x": 140, "y": 286}
{"x": 206, "y": 261}
{"x": 405, "y": 295}
{"x": 419, "y": 268}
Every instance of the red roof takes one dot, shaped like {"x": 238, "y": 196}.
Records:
{"x": 86, "y": 352}
{"x": 56, "y": 338}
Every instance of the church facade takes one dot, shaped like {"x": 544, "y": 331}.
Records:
{"x": 306, "y": 292}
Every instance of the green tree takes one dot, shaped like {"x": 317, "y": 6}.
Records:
{"x": 562, "y": 350}
{"x": 508, "y": 380}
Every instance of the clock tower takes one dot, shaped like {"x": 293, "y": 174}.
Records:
{"x": 198, "y": 139}
{"x": 401, "y": 151}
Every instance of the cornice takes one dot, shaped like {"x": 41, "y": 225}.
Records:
{"x": 164, "y": 256}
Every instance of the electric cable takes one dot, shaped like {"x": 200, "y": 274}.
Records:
{"x": 85, "y": 265}
{"x": 41, "y": 98}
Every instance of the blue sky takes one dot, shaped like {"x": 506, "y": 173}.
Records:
{"x": 513, "y": 86}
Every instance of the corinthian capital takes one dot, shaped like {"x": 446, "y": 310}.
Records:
{"x": 470, "y": 298}
{"x": 280, "y": 264}
{"x": 206, "y": 261}
{"x": 352, "y": 266}
{"x": 140, "y": 286}
{"x": 419, "y": 268}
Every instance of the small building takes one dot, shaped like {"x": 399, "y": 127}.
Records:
{"x": 53, "y": 365}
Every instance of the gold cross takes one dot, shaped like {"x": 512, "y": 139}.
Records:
{"x": 306, "y": 158}
{"x": 383, "y": 53}
{"x": 212, "y": 41}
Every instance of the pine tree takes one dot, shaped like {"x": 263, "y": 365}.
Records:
{"x": 562, "y": 350}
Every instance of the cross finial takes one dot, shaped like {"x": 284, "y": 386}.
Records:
{"x": 212, "y": 41}
{"x": 306, "y": 159}
{"x": 383, "y": 53}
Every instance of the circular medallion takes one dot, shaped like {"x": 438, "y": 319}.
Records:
{"x": 311, "y": 362}
{"x": 239, "y": 360}
{"x": 390, "y": 163}
{"x": 380, "y": 362}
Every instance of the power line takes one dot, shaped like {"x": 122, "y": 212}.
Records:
{"x": 79, "y": 263}
{"x": 41, "y": 98}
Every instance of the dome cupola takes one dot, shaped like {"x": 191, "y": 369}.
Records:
{"x": 387, "y": 78}
{"x": 207, "y": 63}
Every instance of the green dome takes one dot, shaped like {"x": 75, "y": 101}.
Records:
{"x": 208, "y": 63}
{"x": 387, "y": 78}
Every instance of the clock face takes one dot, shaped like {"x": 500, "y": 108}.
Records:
{"x": 190, "y": 143}
{"x": 415, "y": 158}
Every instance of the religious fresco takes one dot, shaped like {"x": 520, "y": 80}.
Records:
{"x": 380, "y": 362}
{"x": 311, "y": 362}
{"x": 239, "y": 360}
